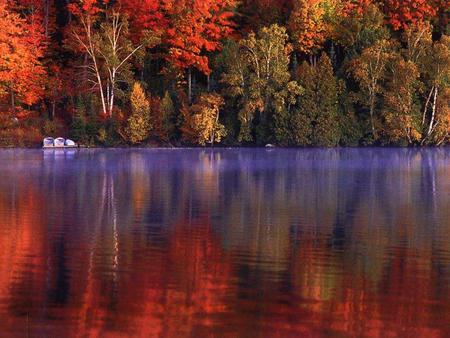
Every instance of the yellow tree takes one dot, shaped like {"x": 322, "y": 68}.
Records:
{"x": 418, "y": 40}
{"x": 436, "y": 112}
{"x": 401, "y": 113}
{"x": 139, "y": 125}
{"x": 369, "y": 70}
{"x": 201, "y": 120}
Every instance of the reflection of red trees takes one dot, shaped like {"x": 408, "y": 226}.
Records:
{"x": 23, "y": 247}
{"x": 341, "y": 299}
{"x": 184, "y": 283}
{"x": 176, "y": 290}
{"x": 169, "y": 291}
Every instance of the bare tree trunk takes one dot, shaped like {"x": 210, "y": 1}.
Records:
{"x": 213, "y": 132}
{"x": 426, "y": 106}
{"x": 372, "y": 109}
{"x": 194, "y": 85}
{"x": 294, "y": 66}
{"x": 52, "y": 116}
{"x": 442, "y": 140}
{"x": 102, "y": 95}
{"x": 111, "y": 100}
{"x": 94, "y": 52}
{"x": 68, "y": 11}
{"x": 46, "y": 16}
{"x": 189, "y": 85}
{"x": 13, "y": 102}
{"x": 433, "y": 112}
{"x": 85, "y": 69}
{"x": 208, "y": 83}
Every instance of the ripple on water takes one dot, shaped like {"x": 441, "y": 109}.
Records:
{"x": 228, "y": 242}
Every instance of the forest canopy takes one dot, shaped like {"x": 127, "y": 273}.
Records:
{"x": 202, "y": 72}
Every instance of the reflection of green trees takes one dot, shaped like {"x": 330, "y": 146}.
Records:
{"x": 174, "y": 237}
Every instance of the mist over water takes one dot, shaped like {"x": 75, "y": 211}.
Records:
{"x": 225, "y": 242}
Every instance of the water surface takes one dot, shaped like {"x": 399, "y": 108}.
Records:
{"x": 225, "y": 243}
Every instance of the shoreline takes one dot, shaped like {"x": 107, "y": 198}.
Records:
{"x": 224, "y": 147}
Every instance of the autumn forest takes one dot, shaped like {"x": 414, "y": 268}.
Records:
{"x": 228, "y": 72}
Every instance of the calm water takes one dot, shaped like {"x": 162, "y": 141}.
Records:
{"x": 225, "y": 243}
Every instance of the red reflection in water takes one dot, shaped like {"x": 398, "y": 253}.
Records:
{"x": 111, "y": 272}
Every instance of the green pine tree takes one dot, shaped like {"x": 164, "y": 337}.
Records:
{"x": 319, "y": 105}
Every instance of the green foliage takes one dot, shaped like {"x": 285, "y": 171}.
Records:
{"x": 78, "y": 129}
{"x": 138, "y": 126}
{"x": 168, "y": 116}
{"x": 107, "y": 133}
{"x": 350, "y": 126}
{"x": 257, "y": 76}
{"x": 319, "y": 103}
{"x": 92, "y": 129}
{"x": 359, "y": 30}
{"x": 351, "y": 131}
{"x": 49, "y": 127}
{"x": 85, "y": 130}
{"x": 301, "y": 127}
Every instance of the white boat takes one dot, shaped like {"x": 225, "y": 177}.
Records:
{"x": 48, "y": 142}
{"x": 70, "y": 143}
{"x": 58, "y": 143}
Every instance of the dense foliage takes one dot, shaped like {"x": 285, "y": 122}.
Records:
{"x": 291, "y": 72}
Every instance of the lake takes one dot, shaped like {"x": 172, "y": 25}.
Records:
{"x": 225, "y": 243}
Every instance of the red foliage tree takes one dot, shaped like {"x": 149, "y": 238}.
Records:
{"x": 350, "y": 7}
{"x": 21, "y": 50}
{"x": 195, "y": 28}
{"x": 307, "y": 25}
{"x": 402, "y": 13}
{"x": 145, "y": 15}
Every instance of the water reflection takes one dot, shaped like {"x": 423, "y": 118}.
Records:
{"x": 244, "y": 243}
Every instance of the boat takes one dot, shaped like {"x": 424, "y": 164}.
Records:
{"x": 70, "y": 143}
{"x": 58, "y": 143}
{"x": 48, "y": 142}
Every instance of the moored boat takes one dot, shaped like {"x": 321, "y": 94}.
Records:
{"x": 58, "y": 143}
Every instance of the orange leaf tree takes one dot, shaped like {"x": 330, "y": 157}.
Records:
{"x": 196, "y": 28}
{"x": 402, "y": 13}
{"x": 21, "y": 71}
{"x": 307, "y": 25}
{"x": 145, "y": 15}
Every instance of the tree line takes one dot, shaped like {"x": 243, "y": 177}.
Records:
{"x": 251, "y": 72}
